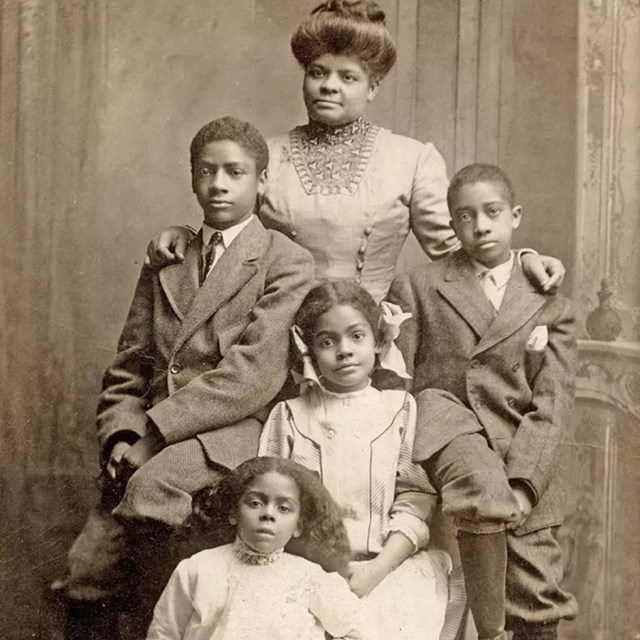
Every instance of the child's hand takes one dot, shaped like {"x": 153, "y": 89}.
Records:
{"x": 139, "y": 453}
{"x": 117, "y": 451}
{"x": 524, "y": 501}
{"x": 546, "y": 272}
{"x": 365, "y": 576}
{"x": 168, "y": 247}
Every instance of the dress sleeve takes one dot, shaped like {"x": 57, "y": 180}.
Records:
{"x": 175, "y": 606}
{"x": 415, "y": 498}
{"x": 338, "y": 609}
{"x": 430, "y": 219}
{"x": 277, "y": 433}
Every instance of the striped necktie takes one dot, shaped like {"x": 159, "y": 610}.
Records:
{"x": 209, "y": 256}
{"x": 490, "y": 289}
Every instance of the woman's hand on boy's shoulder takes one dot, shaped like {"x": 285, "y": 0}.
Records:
{"x": 545, "y": 272}
{"x": 168, "y": 247}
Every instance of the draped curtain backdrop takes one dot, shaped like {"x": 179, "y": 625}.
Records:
{"x": 52, "y": 74}
{"x": 99, "y": 100}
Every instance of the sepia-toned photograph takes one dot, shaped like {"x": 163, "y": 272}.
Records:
{"x": 319, "y": 319}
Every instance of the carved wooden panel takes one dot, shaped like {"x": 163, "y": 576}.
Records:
{"x": 600, "y": 534}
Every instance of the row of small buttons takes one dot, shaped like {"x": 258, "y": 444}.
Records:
{"x": 361, "y": 250}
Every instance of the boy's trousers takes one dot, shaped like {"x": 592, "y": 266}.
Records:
{"x": 475, "y": 492}
{"x": 103, "y": 560}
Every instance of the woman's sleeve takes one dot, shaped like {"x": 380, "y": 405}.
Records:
{"x": 175, "y": 606}
{"x": 430, "y": 219}
{"x": 415, "y": 497}
{"x": 338, "y": 609}
{"x": 276, "y": 438}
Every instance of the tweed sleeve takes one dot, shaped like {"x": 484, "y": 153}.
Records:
{"x": 123, "y": 401}
{"x": 534, "y": 451}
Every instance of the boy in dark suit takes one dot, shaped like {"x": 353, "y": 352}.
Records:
{"x": 493, "y": 373}
{"x": 204, "y": 347}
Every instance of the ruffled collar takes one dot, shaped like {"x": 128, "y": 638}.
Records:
{"x": 338, "y": 134}
{"x": 247, "y": 555}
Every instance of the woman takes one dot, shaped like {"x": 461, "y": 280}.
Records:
{"x": 344, "y": 188}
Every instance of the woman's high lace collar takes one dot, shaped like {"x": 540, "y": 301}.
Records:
{"x": 246, "y": 554}
{"x": 338, "y": 134}
{"x": 331, "y": 160}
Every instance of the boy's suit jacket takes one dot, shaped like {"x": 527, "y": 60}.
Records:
{"x": 198, "y": 359}
{"x": 522, "y": 398}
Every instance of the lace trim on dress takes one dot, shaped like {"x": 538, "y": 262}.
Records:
{"x": 332, "y": 160}
{"x": 246, "y": 554}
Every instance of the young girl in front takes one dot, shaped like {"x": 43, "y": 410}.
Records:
{"x": 359, "y": 440}
{"x": 251, "y": 588}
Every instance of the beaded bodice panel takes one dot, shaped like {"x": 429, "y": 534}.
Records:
{"x": 330, "y": 160}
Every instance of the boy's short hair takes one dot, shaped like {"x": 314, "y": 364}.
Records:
{"x": 230, "y": 128}
{"x": 480, "y": 172}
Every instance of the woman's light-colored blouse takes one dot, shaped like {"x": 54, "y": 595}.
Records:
{"x": 350, "y": 195}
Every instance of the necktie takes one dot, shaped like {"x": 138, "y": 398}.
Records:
{"x": 209, "y": 255}
{"x": 488, "y": 284}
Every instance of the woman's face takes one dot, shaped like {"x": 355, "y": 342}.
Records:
{"x": 336, "y": 89}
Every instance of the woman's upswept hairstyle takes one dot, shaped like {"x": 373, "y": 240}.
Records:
{"x": 346, "y": 28}
{"x": 323, "y": 538}
{"x": 332, "y": 293}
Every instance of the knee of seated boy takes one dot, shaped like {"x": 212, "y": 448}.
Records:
{"x": 151, "y": 500}
{"x": 486, "y": 512}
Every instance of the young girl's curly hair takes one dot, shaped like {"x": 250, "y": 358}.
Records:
{"x": 346, "y": 28}
{"x": 327, "y": 295}
{"x": 323, "y": 538}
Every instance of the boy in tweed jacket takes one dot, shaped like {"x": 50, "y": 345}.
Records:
{"x": 493, "y": 374}
{"x": 204, "y": 347}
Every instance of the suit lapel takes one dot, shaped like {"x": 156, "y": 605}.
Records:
{"x": 521, "y": 301}
{"x": 180, "y": 281}
{"x": 463, "y": 292}
{"x": 236, "y": 266}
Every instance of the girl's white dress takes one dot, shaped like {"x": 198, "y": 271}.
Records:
{"x": 360, "y": 443}
{"x": 217, "y": 595}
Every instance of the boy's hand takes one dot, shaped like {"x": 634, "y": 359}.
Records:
{"x": 546, "y": 272}
{"x": 115, "y": 457}
{"x": 524, "y": 501}
{"x": 168, "y": 247}
{"x": 365, "y": 576}
{"x": 139, "y": 453}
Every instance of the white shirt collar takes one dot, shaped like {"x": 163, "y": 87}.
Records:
{"x": 500, "y": 274}
{"x": 228, "y": 235}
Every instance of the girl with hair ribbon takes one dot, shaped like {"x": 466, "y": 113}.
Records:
{"x": 359, "y": 440}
